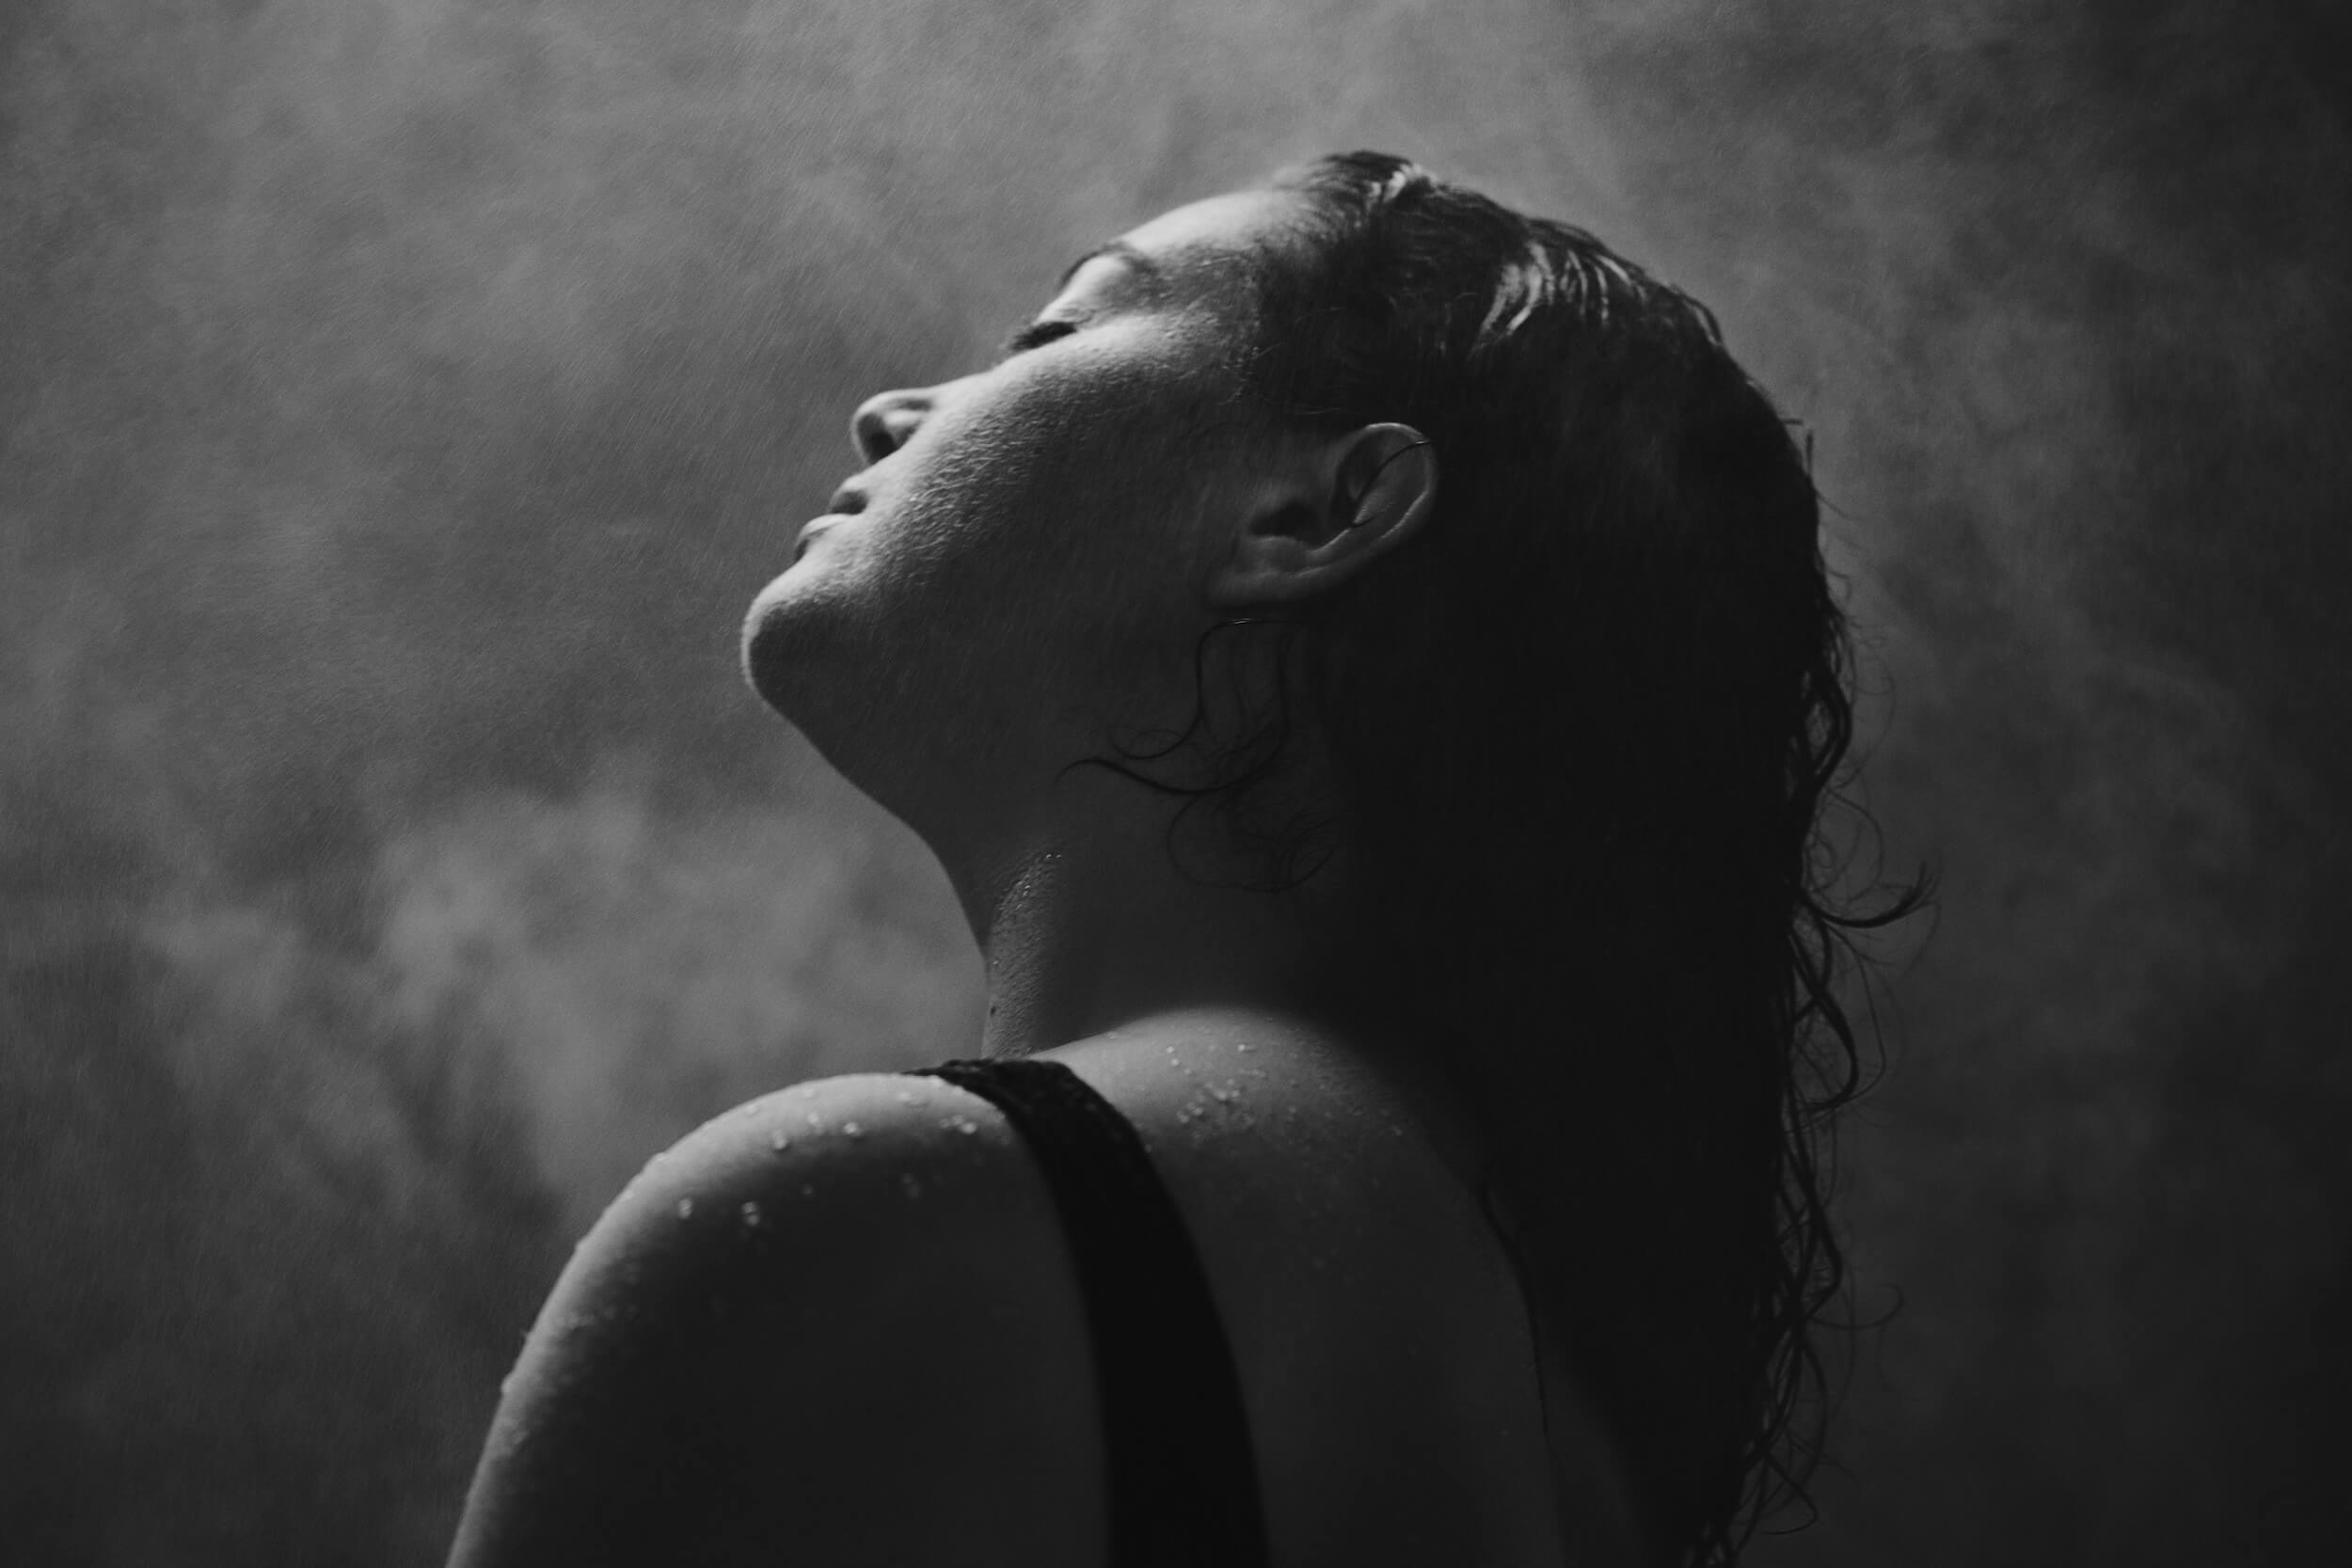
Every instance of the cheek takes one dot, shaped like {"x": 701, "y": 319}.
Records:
{"x": 1051, "y": 522}
{"x": 1034, "y": 561}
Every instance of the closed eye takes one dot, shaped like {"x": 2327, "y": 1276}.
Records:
{"x": 1034, "y": 334}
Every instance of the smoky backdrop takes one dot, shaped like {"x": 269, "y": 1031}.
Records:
{"x": 400, "y": 401}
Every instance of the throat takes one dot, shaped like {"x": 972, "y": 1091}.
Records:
{"x": 1079, "y": 940}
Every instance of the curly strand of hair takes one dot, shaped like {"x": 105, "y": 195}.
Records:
{"x": 1259, "y": 754}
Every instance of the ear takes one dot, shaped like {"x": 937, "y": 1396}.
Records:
{"x": 1324, "y": 511}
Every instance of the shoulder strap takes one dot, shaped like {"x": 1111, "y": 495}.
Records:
{"x": 1183, "y": 1484}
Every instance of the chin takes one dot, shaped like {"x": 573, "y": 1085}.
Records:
{"x": 797, "y": 656}
{"x": 811, "y": 650}
{"x": 781, "y": 642}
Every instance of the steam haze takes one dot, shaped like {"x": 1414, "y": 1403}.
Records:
{"x": 401, "y": 399}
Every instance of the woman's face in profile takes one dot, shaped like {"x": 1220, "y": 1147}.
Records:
{"x": 1029, "y": 541}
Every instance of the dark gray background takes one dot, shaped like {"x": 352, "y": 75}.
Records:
{"x": 402, "y": 399}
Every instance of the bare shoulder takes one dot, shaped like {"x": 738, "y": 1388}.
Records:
{"x": 1268, "y": 1133}
{"x": 1386, "y": 1356}
{"x": 838, "y": 1322}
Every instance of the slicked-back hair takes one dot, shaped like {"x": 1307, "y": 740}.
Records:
{"x": 1583, "y": 729}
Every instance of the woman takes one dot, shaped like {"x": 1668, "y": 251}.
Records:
{"x": 1365, "y": 661}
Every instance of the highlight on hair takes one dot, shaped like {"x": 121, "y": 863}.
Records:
{"x": 1584, "y": 730}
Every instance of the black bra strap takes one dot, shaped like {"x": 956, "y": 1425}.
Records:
{"x": 1181, "y": 1480}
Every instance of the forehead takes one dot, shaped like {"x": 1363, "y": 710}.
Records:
{"x": 1236, "y": 222}
{"x": 1191, "y": 249}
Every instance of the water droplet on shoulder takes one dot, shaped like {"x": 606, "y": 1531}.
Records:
{"x": 852, "y": 1130}
{"x": 685, "y": 1208}
{"x": 779, "y": 1141}
{"x": 750, "y": 1215}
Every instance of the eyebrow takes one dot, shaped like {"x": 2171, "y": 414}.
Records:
{"x": 1123, "y": 251}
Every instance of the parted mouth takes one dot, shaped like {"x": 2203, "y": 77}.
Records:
{"x": 847, "y": 501}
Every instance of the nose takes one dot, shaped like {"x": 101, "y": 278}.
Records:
{"x": 884, "y": 422}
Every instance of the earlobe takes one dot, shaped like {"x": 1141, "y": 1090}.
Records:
{"x": 1343, "y": 506}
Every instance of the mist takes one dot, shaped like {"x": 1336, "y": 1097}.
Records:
{"x": 401, "y": 401}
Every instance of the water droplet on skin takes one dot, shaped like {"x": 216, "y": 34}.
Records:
{"x": 750, "y": 1215}
{"x": 685, "y": 1208}
{"x": 852, "y": 1130}
{"x": 903, "y": 1098}
{"x": 816, "y": 1121}
{"x": 1225, "y": 1095}
{"x": 1244, "y": 1046}
{"x": 914, "y": 1188}
{"x": 779, "y": 1141}
{"x": 962, "y": 1124}
{"x": 808, "y": 1189}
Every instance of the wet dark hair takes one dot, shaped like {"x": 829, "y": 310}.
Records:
{"x": 1584, "y": 728}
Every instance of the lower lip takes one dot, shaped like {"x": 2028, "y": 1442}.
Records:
{"x": 811, "y": 529}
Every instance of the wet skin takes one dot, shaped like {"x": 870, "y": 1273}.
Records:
{"x": 839, "y": 1326}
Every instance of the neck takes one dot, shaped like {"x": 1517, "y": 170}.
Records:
{"x": 1082, "y": 941}
{"x": 1087, "y": 923}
